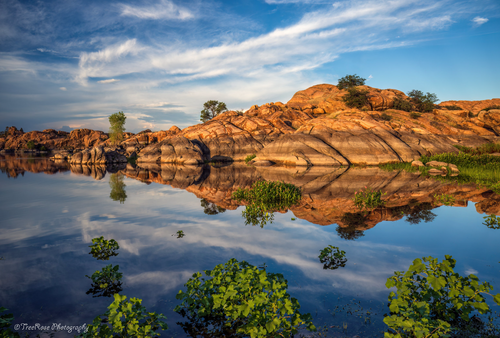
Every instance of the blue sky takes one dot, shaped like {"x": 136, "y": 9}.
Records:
{"x": 74, "y": 63}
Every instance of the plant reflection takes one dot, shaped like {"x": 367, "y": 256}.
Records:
{"x": 107, "y": 282}
{"x": 211, "y": 208}
{"x": 416, "y": 212}
{"x": 353, "y": 220}
{"x": 117, "y": 188}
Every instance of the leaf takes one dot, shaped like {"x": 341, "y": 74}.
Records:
{"x": 497, "y": 298}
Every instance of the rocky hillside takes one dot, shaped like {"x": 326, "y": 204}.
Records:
{"x": 314, "y": 128}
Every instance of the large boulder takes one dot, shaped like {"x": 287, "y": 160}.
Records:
{"x": 178, "y": 150}
{"x": 97, "y": 155}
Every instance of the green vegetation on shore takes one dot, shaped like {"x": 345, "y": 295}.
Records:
{"x": 475, "y": 166}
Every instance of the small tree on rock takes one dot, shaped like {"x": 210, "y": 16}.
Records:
{"x": 211, "y": 109}
{"x": 350, "y": 81}
{"x": 423, "y": 103}
{"x": 117, "y": 127}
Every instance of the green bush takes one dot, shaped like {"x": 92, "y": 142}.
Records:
{"x": 5, "y": 324}
{"x": 107, "y": 282}
{"x": 350, "y": 81}
{"x": 356, "y": 98}
{"x": 452, "y": 107}
{"x": 445, "y": 199}
{"x": 402, "y": 104}
{"x": 102, "y": 249}
{"x": 491, "y": 107}
{"x": 31, "y": 145}
{"x": 487, "y": 148}
{"x": 415, "y": 115}
{"x": 423, "y": 103}
{"x": 126, "y": 318}
{"x": 332, "y": 257}
{"x": 432, "y": 300}
{"x": 250, "y": 157}
{"x": 239, "y": 299}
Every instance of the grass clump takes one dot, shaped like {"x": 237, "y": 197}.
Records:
{"x": 250, "y": 157}
{"x": 487, "y": 148}
{"x": 368, "y": 199}
{"x": 415, "y": 115}
{"x": 264, "y": 198}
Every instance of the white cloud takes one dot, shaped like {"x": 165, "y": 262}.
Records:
{"x": 165, "y": 9}
{"x": 471, "y": 272}
{"x": 478, "y": 21}
{"x": 108, "y": 81}
{"x": 437, "y": 23}
{"x": 63, "y": 89}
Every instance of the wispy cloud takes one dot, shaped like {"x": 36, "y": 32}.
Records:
{"x": 63, "y": 89}
{"x": 165, "y": 9}
{"x": 478, "y": 21}
{"x": 108, "y": 81}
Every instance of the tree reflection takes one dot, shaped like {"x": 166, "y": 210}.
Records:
{"x": 353, "y": 220}
{"x": 117, "y": 188}
{"x": 210, "y": 208}
{"x": 416, "y": 212}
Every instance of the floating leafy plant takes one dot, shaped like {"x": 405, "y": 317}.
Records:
{"x": 107, "y": 282}
{"x": 492, "y": 221}
{"x": 264, "y": 198}
{"x": 5, "y": 324}
{"x": 332, "y": 257}
{"x": 368, "y": 199}
{"x": 103, "y": 249}
{"x": 433, "y": 300}
{"x": 445, "y": 199}
{"x": 239, "y": 299}
{"x": 180, "y": 234}
{"x": 126, "y": 318}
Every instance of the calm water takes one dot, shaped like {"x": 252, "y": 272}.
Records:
{"x": 51, "y": 212}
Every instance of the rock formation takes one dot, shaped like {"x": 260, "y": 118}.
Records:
{"x": 314, "y": 128}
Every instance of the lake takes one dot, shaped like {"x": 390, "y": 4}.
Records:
{"x": 51, "y": 211}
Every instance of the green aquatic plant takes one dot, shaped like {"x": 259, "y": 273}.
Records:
{"x": 180, "y": 234}
{"x": 266, "y": 197}
{"x": 368, "y": 199}
{"x": 126, "y": 318}
{"x": 332, "y": 257}
{"x": 244, "y": 300}
{"x": 445, "y": 199}
{"x": 492, "y": 222}
{"x": 107, "y": 282}
{"x": 6, "y": 323}
{"x": 102, "y": 249}
{"x": 432, "y": 300}
{"x": 250, "y": 157}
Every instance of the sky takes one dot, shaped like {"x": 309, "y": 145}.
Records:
{"x": 68, "y": 64}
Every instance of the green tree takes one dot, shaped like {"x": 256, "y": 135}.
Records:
{"x": 356, "y": 98}
{"x": 117, "y": 188}
{"x": 423, "y": 103}
{"x": 350, "y": 81}
{"x": 117, "y": 127}
{"x": 211, "y": 109}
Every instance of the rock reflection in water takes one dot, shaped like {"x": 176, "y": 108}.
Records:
{"x": 14, "y": 166}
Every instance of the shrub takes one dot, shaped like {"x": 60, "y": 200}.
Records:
{"x": 350, "y": 81}
{"x": 432, "y": 300}
{"x": 415, "y": 115}
{"x": 5, "y": 323}
{"x": 211, "y": 109}
{"x": 42, "y": 148}
{"x": 423, "y": 103}
{"x": 452, "y": 107}
{"x": 102, "y": 249}
{"x": 386, "y": 117}
{"x": 402, "y": 104}
{"x": 445, "y": 199}
{"x": 332, "y": 257}
{"x": 356, "y": 98}
{"x": 240, "y": 299}
{"x": 491, "y": 107}
{"x": 126, "y": 318}
{"x": 250, "y": 157}
{"x": 31, "y": 145}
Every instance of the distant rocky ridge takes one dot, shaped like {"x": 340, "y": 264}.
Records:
{"x": 314, "y": 128}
